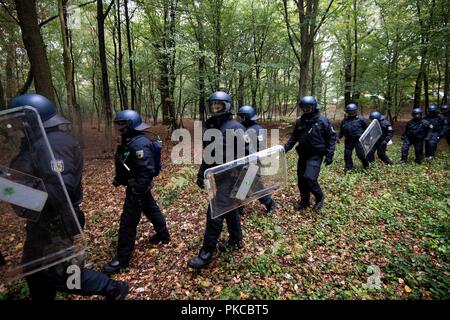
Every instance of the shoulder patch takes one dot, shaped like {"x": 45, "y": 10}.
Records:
{"x": 140, "y": 154}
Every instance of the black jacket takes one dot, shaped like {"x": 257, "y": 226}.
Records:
{"x": 438, "y": 124}
{"x": 37, "y": 162}
{"x": 387, "y": 130}
{"x": 134, "y": 160}
{"x": 237, "y": 138}
{"x": 257, "y": 138}
{"x": 417, "y": 130}
{"x": 352, "y": 128}
{"x": 314, "y": 135}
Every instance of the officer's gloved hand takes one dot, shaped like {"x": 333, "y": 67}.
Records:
{"x": 328, "y": 161}
{"x": 384, "y": 143}
{"x": 115, "y": 183}
{"x": 200, "y": 182}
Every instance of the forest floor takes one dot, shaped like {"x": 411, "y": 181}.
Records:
{"x": 396, "y": 218}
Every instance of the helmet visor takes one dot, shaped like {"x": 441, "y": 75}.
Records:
{"x": 352, "y": 113}
{"x": 216, "y": 107}
{"x": 307, "y": 108}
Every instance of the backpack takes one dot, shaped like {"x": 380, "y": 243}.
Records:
{"x": 157, "y": 147}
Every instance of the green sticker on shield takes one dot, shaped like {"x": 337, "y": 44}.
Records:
{"x": 8, "y": 191}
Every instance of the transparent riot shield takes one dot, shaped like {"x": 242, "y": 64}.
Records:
{"x": 237, "y": 183}
{"x": 38, "y": 226}
{"x": 370, "y": 136}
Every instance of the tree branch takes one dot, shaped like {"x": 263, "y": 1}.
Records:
{"x": 288, "y": 25}
{"x": 322, "y": 20}
{"x": 27, "y": 83}
{"x": 9, "y": 12}
{"x": 43, "y": 23}
{"x": 108, "y": 9}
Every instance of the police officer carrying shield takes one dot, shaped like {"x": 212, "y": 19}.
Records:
{"x": 445, "y": 115}
{"x": 416, "y": 132}
{"x": 316, "y": 140}
{"x": 44, "y": 284}
{"x": 220, "y": 110}
{"x": 387, "y": 132}
{"x": 352, "y": 127}
{"x": 135, "y": 169}
{"x": 437, "y": 130}
{"x": 247, "y": 116}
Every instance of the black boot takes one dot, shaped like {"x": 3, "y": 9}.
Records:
{"x": 117, "y": 290}
{"x": 158, "y": 239}
{"x": 230, "y": 246}
{"x": 271, "y": 207}
{"x": 200, "y": 261}
{"x": 299, "y": 206}
{"x": 319, "y": 203}
{"x": 115, "y": 266}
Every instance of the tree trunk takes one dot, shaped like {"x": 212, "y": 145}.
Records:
{"x": 201, "y": 71}
{"x": 122, "y": 85}
{"x": 130, "y": 56}
{"x": 446, "y": 76}
{"x": 2, "y": 96}
{"x": 355, "y": 93}
{"x": 69, "y": 72}
{"x": 10, "y": 58}
{"x": 105, "y": 84}
{"x": 348, "y": 67}
{"x": 32, "y": 39}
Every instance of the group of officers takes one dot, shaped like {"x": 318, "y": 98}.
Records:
{"x": 313, "y": 135}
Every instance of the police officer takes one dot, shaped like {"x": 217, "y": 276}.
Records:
{"x": 352, "y": 127}
{"x": 247, "y": 116}
{"x": 316, "y": 140}
{"x": 445, "y": 114}
{"x": 44, "y": 284}
{"x": 220, "y": 110}
{"x": 381, "y": 144}
{"x": 135, "y": 169}
{"x": 437, "y": 130}
{"x": 416, "y": 132}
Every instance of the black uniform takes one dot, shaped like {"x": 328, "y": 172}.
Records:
{"x": 316, "y": 139}
{"x": 436, "y": 132}
{"x": 254, "y": 130}
{"x": 446, "y": 131}
{"x": 416, "y": 131}
{"x": 380, "y": 146}
{"x": 214, "y": 226}
{"x": 135, "y": 169}
{"x": 352, "y": 127}
{"x": 44, "y": 284}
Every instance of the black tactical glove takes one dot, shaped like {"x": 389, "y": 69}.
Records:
{"x": 115, "y": 183}
{"x": 384, "y": 143}
{"x": 200, "y": 182}
{"x": 328, "y": 161}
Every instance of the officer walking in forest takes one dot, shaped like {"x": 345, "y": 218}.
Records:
{"x": 137, "y": 163}
{"x": 247, "y": 116}
{"x": 316, "y": 139}
{"x": 220, "y": 117}
{"x": 437, "y": 130}
{"x": 44, "y": 284}
{"x": 445, "y": 115}
{"x": 352, "y": 127}
{"x": 416, "y": 132}
{"x": 387, "y": 132}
